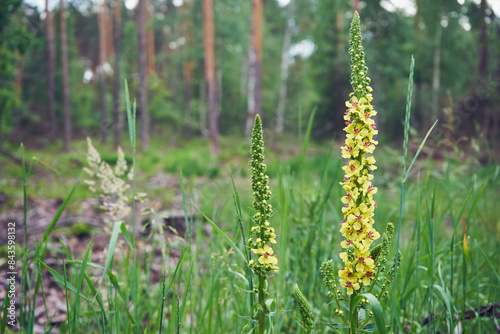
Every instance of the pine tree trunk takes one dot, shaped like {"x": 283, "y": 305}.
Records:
{"x": 102, "y": 73}
{"x": 51, "y": 60}
{"x": 203, "y": 110}
{"x": 482, "y": 68}
{"x": 65, "y": 78}
{"x": 148, "y": 21}
{"x": 255, "y": 71}
{"x": 117, "y": 126}
{"x": 285, "y": 62}
{"x": 208, "y": 34}
{"x": 496, "y": 97}
{"x": 436, "y": 72}
{"x": 142, "y": 77}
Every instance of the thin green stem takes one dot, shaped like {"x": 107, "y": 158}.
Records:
{"x": 261, "y": 316}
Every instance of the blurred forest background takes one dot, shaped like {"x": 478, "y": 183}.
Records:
{"x": 200, "y": 68}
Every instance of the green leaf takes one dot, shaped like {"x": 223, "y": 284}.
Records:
{"x": 117, "y": 227}
{"x": 370, "y": 328}
{"x": 62, "y": 281}
{"x": 378, "y": 313}
{"x": 337, "y": 325}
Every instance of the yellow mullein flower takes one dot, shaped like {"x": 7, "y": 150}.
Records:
{"x": 350, "y": 286}
{"x": 266, "y": 257}
{"x": 353, "y": 168}
{"x": 358, "y": 204}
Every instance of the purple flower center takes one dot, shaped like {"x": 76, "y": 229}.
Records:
{"x": 352, "y": 167}
{"x": 355, "y": 104}
{"x": 361, "y": 260}
{"x": 349, "y": 149}
{"x": 348, "y": 285}
{"x": 358, "y": 218}
{"x": 370, "y": 188}
{"x": 349, "y": 275}
{"x": 367, "y": 143}
{"x": 369, "y": 274}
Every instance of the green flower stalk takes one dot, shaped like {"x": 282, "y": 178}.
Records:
{"x": 262, "y": 233}
{"x": 305, "y": 310}
{"x": 359, "y": 205}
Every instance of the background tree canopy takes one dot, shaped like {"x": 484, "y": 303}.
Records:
{"x": 456, "y": 46}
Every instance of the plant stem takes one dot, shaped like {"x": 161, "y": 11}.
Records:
{"x": 353, "y": 316}
{"x": 261, "y": 315}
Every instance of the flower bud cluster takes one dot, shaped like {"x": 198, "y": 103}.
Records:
{"x": 358, "y": 203}
{"x": 305, "y": 310}
{"x": 262, "y": 232}
{"x": 326, "y": 271}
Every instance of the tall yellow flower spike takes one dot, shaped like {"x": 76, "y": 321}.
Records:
{"x": 359, "y": 145}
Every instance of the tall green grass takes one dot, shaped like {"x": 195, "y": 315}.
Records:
{"x": 204, "y": 286}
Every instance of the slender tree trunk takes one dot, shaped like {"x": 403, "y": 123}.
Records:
{"x": 209, "y": 34}
{"x": 148, "y": 21}
{"x": 496, "y": 97}
{"x": 203, "y": 110}
{"x": 142, "y": 77}
{"x": 117, "y": 122}
{"x": 102, "y": 73}
{"x": 51, "y": 60}
{"x": 251, "y": 92}
{"x": 188, "y": 63}
{"x": 254, "y": 80}
{"x": 417, "y": 35}
{"x": 65, "y": 78}
{"x": 285, "y": 63}
{"x": 482, "y": 67}
{"x": 436, "y": 72}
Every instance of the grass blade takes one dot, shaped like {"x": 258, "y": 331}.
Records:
{"x": 224, "y": 236}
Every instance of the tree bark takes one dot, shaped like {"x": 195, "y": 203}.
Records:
{"x": 482, "y": 67}
{"x": 142, "y": 77}
{"x": 65, "y": 78}
{"x": 285, "y": 64}
{"x": 117, "y": 122}
{"x": 208, "y": 34}
{"x": 148, "y": 21}
{"x": 496, "y": 102}
{"x": 51, "y": 60}
{"x": 255, "y": 83}
{"x": 188, "y": 63}
{"x": 436, "y": 72}
{"x": 102, "y": 73}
